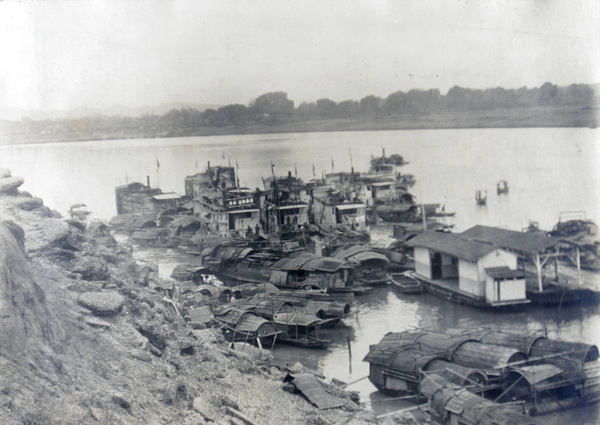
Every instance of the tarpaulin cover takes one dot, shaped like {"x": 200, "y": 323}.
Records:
{"x": 308, "y": 385}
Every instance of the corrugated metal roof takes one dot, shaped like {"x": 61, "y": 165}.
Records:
{"x": 308, "y": 385}
{"x": 452, "y": 244}
{"x": 510, "y": 239}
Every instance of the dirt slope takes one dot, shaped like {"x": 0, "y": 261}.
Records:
{"x": 83, "y": 342}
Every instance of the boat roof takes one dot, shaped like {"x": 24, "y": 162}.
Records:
{"x": 361, "y": 253}
{"x": 309, "y": 262}
{"x": 184, "y": 221}
{"x": 386, "y": 183}
{"x": 452, "y": 244}
{"x": 502, "y": 273}
{"x": 511, "y": 239}
{"x": 349, "y": 206}
{"x": 244, "y": 211}
{"x": 288, "y": 207}
{"x": 296, "y": 318}
{"x": 166, "y": 196}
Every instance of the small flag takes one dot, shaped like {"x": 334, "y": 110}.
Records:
{"x": 314, "y": 174}
{"x": 157, "y": 164}
{"x": 237, "y": 165}
{"x": 229, "y": 159}
{"x": 295, "y": 170}
{"x": 331, "y": 163}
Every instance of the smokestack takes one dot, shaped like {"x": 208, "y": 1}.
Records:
{"x": 208, "y": 165}
{"x": 148, "y": 181}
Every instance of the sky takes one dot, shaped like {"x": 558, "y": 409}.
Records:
{"x": 61, "y": 55}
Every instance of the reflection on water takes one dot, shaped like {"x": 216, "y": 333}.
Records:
{"x": 383, "y": 311}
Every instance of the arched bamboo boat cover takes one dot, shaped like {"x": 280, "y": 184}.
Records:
{"x": 384, "y": 353}
{"x": 330, "y": 308}
{"x": 359, "y": 254}
{"x": 264, "y": 306}
{"x": 246, "y": 323}
{"x": 548, "y": 376}
{"x": 579, "y": 352}
{"x": 296, "y": 319}
{"x": 486, "y": 356}
{"x": 310, "y": 262}
{"x": 448, "y": 398}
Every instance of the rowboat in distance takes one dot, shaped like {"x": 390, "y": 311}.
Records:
{"x": 405, "y": 283}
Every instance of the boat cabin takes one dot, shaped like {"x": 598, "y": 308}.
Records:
{"x": 372, "y": 266}
{"x": 466, "y": 270}
{"x": 306, "y": 270}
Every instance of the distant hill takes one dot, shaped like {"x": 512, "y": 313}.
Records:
{"x": 549, "y": 105}
{"x": 15, "y": 114}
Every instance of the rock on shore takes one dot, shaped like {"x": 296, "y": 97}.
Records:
{"x": 83, "y": 342}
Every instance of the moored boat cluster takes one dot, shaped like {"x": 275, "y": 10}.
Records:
{"x": 278, "y": 264}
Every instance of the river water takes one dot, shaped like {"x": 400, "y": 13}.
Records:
{"x": 548, "y": 171}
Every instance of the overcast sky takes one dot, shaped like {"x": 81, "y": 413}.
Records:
{"x": 67, "y": 54}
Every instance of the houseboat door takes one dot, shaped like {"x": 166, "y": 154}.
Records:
{"x": 436, "y": 266}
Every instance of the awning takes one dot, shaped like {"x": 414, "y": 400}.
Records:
{"x": 289, "y": 207}
{"x": 244, "y": 211}
{"x": 166, "y": 196}
{"x": 538, "y": 373}
{"x": 350, "y": 206}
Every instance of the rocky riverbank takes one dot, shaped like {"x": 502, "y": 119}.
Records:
{"x": 85, "y": 342}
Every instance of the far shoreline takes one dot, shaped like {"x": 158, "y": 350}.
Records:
{"x": 564, "y": 117}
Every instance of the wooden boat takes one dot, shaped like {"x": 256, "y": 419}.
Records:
{"x": 502, "y": 187}
{"x": 244, "y": 326}
{"x": 405, "y": 283}
{"x": 300, "y": 329}
{"x": 499, "y": 365}
{"x": 481, "y": 197}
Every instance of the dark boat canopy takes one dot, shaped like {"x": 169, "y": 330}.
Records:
{"x": 309, "y": 262}
{"x": 359, "y": 254}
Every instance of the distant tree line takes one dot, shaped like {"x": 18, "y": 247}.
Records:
{"x": 275, "y": 108}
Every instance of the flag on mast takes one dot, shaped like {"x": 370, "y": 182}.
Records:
{"x": 314, "y": 174}
{"x": 332, "y": 164}
{"x": 295, "y": 170}
{"x": 157, "y": 164}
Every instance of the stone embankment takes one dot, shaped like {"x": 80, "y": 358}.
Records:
{"x": 86, "y": 341}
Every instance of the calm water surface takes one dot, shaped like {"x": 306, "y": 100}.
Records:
{"x": 548, "y": 171}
